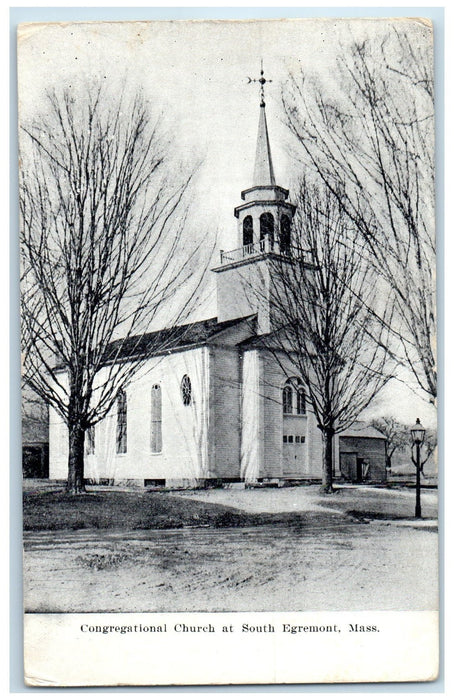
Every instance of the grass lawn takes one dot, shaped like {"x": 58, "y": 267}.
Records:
{"x": 57, "y": 510}
{"x": 110, "y": 510}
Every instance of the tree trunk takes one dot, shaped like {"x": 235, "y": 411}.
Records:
{"x": 75, "y": 482}
{"x": 327, "y": 467}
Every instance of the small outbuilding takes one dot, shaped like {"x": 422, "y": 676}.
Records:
{"x": 360, "y": 454}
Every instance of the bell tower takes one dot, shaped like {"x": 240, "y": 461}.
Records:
{"x": 244, "y": 276}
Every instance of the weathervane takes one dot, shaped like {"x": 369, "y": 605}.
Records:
{"x": 262, "y": 80}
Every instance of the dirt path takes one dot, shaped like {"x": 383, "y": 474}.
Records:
{"x": 375, "y": 566}
{"x": 395, "y": 502}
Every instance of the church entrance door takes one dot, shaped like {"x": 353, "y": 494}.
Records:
{"x": 293, "y": 456}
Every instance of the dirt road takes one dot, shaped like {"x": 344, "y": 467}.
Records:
{"x": 355, "y": 566}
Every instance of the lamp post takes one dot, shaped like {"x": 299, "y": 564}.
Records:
{"x": 417, "y": 434}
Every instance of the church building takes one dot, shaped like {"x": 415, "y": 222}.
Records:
{"x": 217, "y": 406}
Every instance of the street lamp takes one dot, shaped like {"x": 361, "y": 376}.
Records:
{"x": 417, "y": 435}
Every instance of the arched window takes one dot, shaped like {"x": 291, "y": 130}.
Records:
{"x": 248, "y": 230}
{"x": 186, "y": 390}
{"x": 293, "y": 391}
{"x": 287, "y": 399}
{"x": 300, "y": 401}
{"x": 156, "y": 419}
{"x": 285, "y": 234}
{"x": 122, "y": 422}
{"x": 267, "y": 226}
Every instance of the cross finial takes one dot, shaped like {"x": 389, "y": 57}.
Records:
{"x": 262, "y": 80}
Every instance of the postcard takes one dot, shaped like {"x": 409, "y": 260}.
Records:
{"x": 228, "y": 327}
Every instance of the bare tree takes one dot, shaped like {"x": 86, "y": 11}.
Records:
{"x": 34, "y": 409}
{"x": 323, "y": 300}
{"x": 398, "y": 439}
{"x": 396, "y": 434}
{"x": 372, "y": 144}
{"x": 102, "y": 214}
{"x": 428, "y": 448}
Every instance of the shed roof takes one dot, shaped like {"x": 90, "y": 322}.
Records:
{"x": 361, "y": 429}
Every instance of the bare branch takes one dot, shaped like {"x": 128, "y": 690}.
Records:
{"x": 373, "y": 147}
{"x": 102, "y": 219}
{"x": 327, "y": 314}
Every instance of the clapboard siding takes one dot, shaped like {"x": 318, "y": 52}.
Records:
{"x": 225, "y": 412}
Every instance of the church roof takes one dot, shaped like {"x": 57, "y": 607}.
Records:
{"x": 171, "y": 339}
{"x": 263, "y": 170}
{"x": 271, "y": 341}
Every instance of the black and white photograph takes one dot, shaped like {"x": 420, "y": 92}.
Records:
{"x": 228, "y": 334}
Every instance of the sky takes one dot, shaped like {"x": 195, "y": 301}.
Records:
{"x": 195, "y": 74}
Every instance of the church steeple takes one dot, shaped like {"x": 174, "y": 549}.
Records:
{"x": 264, "y": 220}
{"x": 263, "y": 170}
{"x": 264, "y": 232}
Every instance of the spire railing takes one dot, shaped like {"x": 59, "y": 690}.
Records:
{"x": 267, "y": 245}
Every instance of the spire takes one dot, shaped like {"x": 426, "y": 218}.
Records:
{"x": 263, "y": 170}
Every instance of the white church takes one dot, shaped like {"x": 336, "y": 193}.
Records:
{"x": 217, "y": 406}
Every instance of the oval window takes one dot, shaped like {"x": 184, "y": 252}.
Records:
{"x": 186, "y": 390}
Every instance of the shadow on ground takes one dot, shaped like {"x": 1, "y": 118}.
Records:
{"x": 105, "y": 510}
